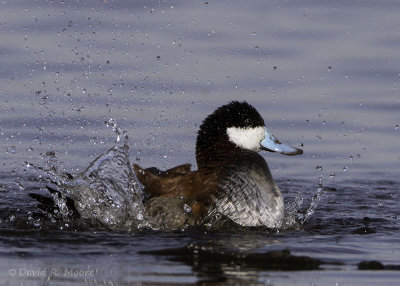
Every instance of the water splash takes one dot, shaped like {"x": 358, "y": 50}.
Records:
{"x": 296, "y": 214}
{"x": 117, "y": 130}
{"x": 314, "y": 202}
{"x": 106, "y": 193}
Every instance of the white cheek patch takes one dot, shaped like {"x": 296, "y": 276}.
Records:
{"x": 247, "y": 138}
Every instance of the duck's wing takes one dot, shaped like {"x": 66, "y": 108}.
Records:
{"x": 161, "y": 183}
{"x": 197, "y": 186}
{"x": 175, "y": 171}
{"x": 178, "y": 181}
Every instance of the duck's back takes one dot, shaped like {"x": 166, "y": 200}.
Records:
{"x": 247, "y": 193}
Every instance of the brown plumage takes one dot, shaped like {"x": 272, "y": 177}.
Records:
{"x": 196, "y": 186}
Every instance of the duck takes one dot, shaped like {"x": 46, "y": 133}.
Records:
{"x": 232, "y": 179}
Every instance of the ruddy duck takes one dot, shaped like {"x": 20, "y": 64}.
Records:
{"x": 232, "y": 178}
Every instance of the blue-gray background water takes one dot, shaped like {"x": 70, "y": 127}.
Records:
{"x": 324, "y": 75}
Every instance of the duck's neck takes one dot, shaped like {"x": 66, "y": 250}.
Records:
{"x": 216, "y": 155}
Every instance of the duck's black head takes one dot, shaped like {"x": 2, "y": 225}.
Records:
{"x": 237, "y": 114}
{"x": 239, "y": 124}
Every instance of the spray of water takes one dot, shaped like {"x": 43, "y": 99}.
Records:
{"x": 297, "y": 214}
{"x": 106, "y": 193}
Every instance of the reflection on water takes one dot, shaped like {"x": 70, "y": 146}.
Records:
{"x": 324, "y": 72}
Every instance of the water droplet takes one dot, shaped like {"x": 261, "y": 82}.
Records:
{"x": 12, "y": 149}
{"x": 206, "y": 3}
{"x": 396, "y": 127}
{"x": 332, "y": 176}
{"x": 318, "y": 168}
{"x": 158, "y": 58}
{"x": 187, "y": 208}
{"x": 344, "y": 169}
{"x": 50, "y": 154}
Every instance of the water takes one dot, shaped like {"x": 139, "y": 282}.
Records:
{"x": 76, "y": 77}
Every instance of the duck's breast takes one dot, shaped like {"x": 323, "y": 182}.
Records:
{"x": 248, "y": 195}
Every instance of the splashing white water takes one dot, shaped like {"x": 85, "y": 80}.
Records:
{"x": 117, "y": 130}
{"x": 296, "y": 215}
{"x": 107, "y": 192}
